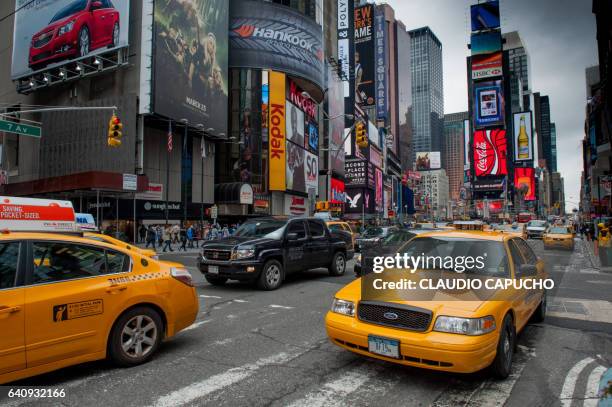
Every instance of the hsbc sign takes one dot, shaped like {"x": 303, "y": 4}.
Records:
{"x": 268, "y": 36}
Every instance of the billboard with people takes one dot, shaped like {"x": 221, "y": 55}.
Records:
{"x": 190, "y": 62}
{"x": 51, "y": 33}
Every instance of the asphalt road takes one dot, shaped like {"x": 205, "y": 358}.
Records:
{"x": 256, "y": 348}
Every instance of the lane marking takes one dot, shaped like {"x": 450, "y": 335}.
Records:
{"x": 220, "y": 381}
{"x": 195, "y": 325}
{"x": 569, "y": 385}
{"x": 279, "y": 306}
{"x": 210, "y": 296}
{"x": 334, "y": 393}
{"x": 591, "y": 396}
{"x": 240, "y": 301}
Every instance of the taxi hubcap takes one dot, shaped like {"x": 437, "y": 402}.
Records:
{"x": 139, "y": 336}
{"x": 273, "y": 275}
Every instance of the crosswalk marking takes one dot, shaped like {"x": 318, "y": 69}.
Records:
{"x": 334, "y": 393}
{"x": 219, "y": 381}
{"x": 591, "y": 396}
{"x": 569, "y": 385}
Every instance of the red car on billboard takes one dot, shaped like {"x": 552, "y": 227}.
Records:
{"x": 74, "y": 31}
{"x": 490, "y": 151}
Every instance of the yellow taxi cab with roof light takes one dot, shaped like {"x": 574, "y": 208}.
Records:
{"x": 440, "y": 332}
{"x": 558, "y": 237}
{"x": 67, "y": 299}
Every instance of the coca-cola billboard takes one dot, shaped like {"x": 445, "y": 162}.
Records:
{"x": 490, "y": 152}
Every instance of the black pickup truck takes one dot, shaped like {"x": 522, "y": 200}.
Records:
{"x": 265, "y": 250}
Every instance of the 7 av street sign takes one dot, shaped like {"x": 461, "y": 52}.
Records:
{"x": 20, "y": 128}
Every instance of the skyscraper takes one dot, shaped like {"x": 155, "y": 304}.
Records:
{"x": 553, "y": 147}
{"x": 543, "y": 128}
{"x": 452, "y": 151}
{"x": 427, "y": 89}
{"x": 518, "y": 61}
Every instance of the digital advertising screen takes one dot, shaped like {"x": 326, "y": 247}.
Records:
{"x": 489, "y": 104}
{"x": 524, "y": 182}
{"x": 523, "y": 136}
{"x": 364, "y": 56}
{"x": 486, "y": 43}
{"x": 490, "y": 152}
{"x": 485, "y": 16}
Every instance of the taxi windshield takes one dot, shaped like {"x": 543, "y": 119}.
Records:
{"x": 558, "y": 230}
{"x": 398, "y": 237}
{"x": 439, "y": 249}
{"x": 261, "y": 228}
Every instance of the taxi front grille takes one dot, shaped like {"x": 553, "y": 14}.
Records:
{"x": 212, "y": 254}
{"x": 394, "y": 315}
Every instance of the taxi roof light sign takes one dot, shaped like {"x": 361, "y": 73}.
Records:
{"x": 36, "y": 215}
{"x": 469, "y": 225}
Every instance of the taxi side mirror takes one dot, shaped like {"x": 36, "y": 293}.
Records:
{"x": 528, "y": 270}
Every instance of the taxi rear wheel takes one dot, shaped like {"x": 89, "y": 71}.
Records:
{"x": 540, "y": 312}
{"x": 136, "y": 336}
{"x": 502, "y": 364}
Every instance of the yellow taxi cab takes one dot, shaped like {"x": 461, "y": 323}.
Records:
{"x": 120, "y": 243}
{"x": 558, "y": 237}
{"x": 447, "y": 335}
{"x": 516, "y": 229}
{"x": 67, "y": 299}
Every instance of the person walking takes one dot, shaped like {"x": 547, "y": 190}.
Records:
{"x": 214, "y": 233}
{"x": 225, "y": 232}
{"x": 158, "y": 235}
{"x": 176, "y": 229}
{"x": 183, "y": 239}
{"x": 142, "y": 233}
{"x": 167, "y": 238}
{"x": 603, "y": 241}
{"x": 150, "y": 237}
{"x": 190, "y": 236}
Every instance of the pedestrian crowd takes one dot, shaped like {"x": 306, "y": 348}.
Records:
{"x": 165, "y": 236}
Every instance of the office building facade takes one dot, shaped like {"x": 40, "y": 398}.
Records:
{"x": 453, "y": 151}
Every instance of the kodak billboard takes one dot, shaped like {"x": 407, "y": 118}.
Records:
{"x": 277, "y": 143}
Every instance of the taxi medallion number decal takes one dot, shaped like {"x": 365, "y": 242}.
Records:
{"x": 383, "y": 346}
{"x": 64, "y": 312}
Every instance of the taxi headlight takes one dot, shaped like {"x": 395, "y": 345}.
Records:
{"x": 343, "y": 307}
{"x": 243, "y": 253}
{"x": 465, "y": 326}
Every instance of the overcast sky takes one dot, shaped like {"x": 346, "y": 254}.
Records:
{"x": 560, "y": 39}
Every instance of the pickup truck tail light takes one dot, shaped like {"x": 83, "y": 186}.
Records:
{"x": 182, "y": 275}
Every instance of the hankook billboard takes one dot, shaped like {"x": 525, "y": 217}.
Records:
{"x": 190, "y": 62}
{"x": 268, "y": 36}
{"x": 52, "y": 32}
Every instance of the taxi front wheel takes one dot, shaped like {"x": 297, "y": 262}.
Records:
{"x": 502, "y": 364}
{"x": 136, "y": 336}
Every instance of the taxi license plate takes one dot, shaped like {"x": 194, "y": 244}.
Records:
{"x": 213, "y": 269}
{"x": 384, "y": 346}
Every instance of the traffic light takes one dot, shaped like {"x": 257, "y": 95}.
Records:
{"x": 361, "y": 136}
{"x": 114, "y": 131}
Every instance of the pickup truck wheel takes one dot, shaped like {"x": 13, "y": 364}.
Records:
{"x": 271, "y": 276}
{"x": 338, "y": 265}
{"x": 214, "y": 280}
{"x": 502, "y": 364}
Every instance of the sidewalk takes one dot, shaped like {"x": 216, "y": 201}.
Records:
{"x": 589, "y": 250}
{"x": 175, "y": 247}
